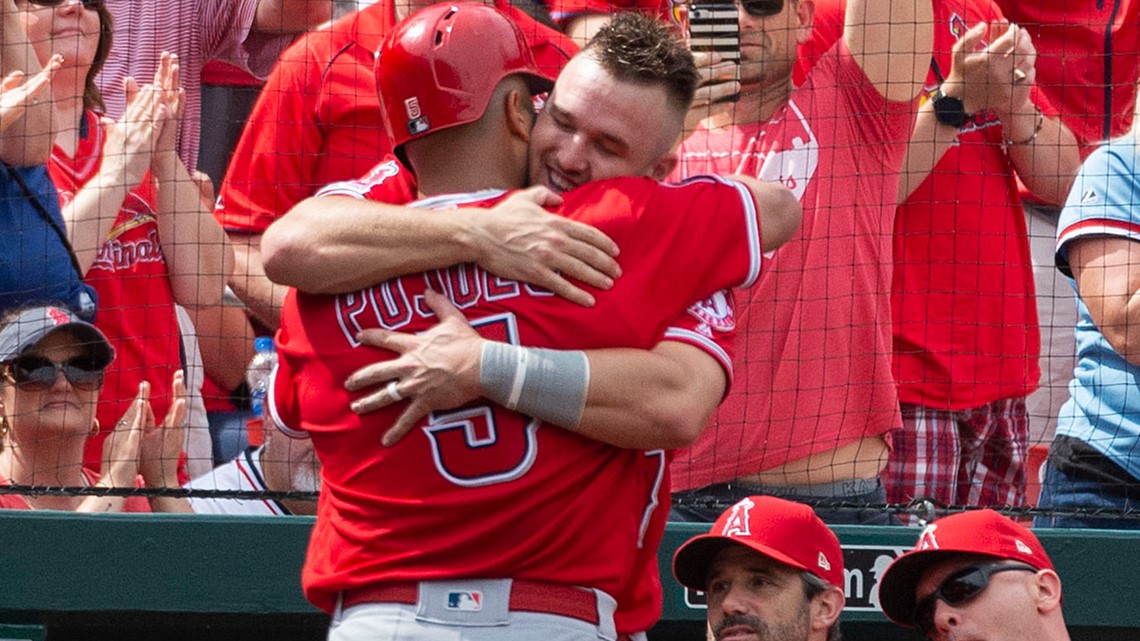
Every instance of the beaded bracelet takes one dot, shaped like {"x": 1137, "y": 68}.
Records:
{"x": 1036, "y": 130}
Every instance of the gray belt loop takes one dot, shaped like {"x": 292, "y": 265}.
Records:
{"x": 607, "y": 606}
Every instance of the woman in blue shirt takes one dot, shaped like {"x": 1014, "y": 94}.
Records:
{"x": 36, "y": 262}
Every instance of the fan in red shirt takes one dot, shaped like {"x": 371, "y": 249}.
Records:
{"x": 810, "y": 417}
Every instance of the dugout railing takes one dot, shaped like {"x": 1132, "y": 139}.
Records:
{"x": 65, "y": 576}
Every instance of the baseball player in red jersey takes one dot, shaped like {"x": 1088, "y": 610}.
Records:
{"x": 531, "y": 468}
{"x": 651, "y": 422}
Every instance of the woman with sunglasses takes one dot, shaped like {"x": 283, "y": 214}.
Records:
{"x": 142, "y": 235}
{"x": 52, "y": 367}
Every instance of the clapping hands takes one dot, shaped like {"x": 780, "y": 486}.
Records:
{"x": 994, "y": 67}
{"x": 17, "y": 91}
{"x": 145, "y": 137}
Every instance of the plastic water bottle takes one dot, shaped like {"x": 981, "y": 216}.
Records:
{"x": 258, "y": 377}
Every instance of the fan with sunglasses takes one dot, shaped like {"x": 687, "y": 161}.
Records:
{"x": 37, "y": 374}
{"x": 959, "y": 588}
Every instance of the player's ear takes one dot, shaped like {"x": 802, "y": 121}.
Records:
{"x": 520, "y": 114}
{"x": 1047, "y": 590}
{"x": 826, "y": 608}
{"x": 805, "y": 11}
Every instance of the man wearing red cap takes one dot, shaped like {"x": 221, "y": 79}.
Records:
{"x": 771, "y": 569}
{"x": 975, "y": 575}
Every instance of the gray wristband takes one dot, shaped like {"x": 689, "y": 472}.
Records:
{"x": 547, "y": 384}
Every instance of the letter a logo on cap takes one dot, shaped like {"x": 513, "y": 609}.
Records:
{"x": 737, "y": 523}
{"x": 926, "y": 540}
{"x": 1022, "y": 547}
{"x": 823, "y": 564}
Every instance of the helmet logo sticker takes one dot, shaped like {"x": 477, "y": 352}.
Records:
{"x": 417, "y": 122}
{"x": 412, "y": 107}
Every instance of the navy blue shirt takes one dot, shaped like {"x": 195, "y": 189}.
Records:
{"x": 35, "y": 264}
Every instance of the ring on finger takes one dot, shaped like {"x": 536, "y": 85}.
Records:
{"x": 393, "y": 392}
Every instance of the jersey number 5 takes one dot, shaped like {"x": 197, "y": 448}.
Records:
{"x": 482, "y": 443}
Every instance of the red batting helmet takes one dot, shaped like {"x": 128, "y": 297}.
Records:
{"x": 440, "y": 66}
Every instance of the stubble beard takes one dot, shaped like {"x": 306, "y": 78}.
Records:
{"x": 794, "y": 630}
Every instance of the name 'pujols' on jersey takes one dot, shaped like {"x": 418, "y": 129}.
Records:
{"x": 390, "y": 306}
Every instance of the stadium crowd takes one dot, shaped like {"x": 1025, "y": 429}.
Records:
{"x": 775, "y": 293}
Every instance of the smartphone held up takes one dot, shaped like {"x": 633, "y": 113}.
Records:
{"x": 714, "y": 27}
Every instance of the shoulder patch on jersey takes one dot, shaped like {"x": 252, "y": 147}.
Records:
{"x": 716, "y": 311}
{"x": 384, "y": 170}
{"x": 1090, "y": 197}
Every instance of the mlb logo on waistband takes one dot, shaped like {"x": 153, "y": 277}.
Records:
{"x": 465, "y": 601}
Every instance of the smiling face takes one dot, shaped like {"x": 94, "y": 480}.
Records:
{"x": 754, "y": 598}
{"x": 69, "y": 29}
{"x": 61, "y": 410}
{"x": 594, "y": 126}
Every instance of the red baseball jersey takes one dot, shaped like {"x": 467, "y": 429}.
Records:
{"x": 481, "y": 491}
{"x": 136, "y": 304}
{"x": 709, "y": 325}
{"x": 318, "y": 119}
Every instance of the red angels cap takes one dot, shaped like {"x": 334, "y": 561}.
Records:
{"x": 977, "y": 532}
{"x": 785, "y": 531}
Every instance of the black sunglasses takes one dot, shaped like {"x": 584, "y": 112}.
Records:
{"x": 55, "y": 3}
{"x": 762, "y": 8}
{"x": 36, "y": 374}
{"x": 959, "y": 588}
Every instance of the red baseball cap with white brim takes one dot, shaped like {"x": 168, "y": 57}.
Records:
{"x": 782, "y": 530}
{"x": 982, "y": 532}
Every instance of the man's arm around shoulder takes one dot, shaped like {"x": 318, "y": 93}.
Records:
{"x": 778, "y": 210}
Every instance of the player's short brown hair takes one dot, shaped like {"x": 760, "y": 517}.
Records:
{"x": 637, "y": 48}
